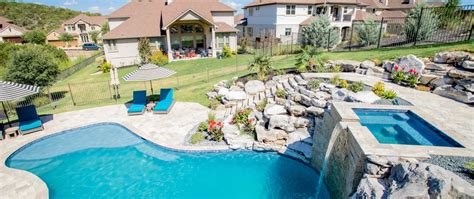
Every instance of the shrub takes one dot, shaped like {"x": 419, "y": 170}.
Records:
{"x": 197, "y": 137}
{"x": 144, "y": 50}
{"x": 214, "y": 103}
{"x": 243, "y": 45}
{"x": 420, "y": 29}
{"x": 229, "y": 83}
{"x": 261, "y": 106}
{"x": 105, "y": 67}
{"x": 317, "y": 33}
{"x": 314, "y": 84}
{"x": 281, "y": 93}
{"x": 377, "y": 61}
{"x": 343, "y": 83}
{"x": 308, "y": 59}
{"x": 203, "y": 126}
{"x": 469, "y": 167}
{"x": 211, "y": 116}
{"x": 336, "y": 79}
{"x": 279, "y": 72}
{"x": 388, "y": 94}
{"x": 159, "y": 58}
{"x": 34, "y": 37}
{"x": 368, "y": 32}
{"x": 378, "y": 88}
{"x": 356, "y": 87}
{"x": 227, "y": 52}
{"x": 336, "y": 69}
{"x": 262, "y": 66}
{"x": 41, "y": 101}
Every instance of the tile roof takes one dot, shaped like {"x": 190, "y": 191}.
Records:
{"x": 374, "y": 4}
{"x": 224, "y": 27}
{"x": 146, "y": 18}
{"x": 93, "y": 20}
{"x": 238, "y": 19}
{"x": 393, "y": 14}
{"x": 362, "y": 15}
{"x": 308, "y": 21}
{"x": 399, "y": 4}
{"x": 309, "y": 2}
{"x": 6, "y": 23}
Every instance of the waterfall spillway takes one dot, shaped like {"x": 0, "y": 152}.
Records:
{"x": 335, "y": 133}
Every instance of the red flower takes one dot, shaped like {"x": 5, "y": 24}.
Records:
{"x": 396, "y": 67}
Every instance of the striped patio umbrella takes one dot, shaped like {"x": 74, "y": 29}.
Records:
{"x": 149, "y": 72}
{"x": 10, "y": 91}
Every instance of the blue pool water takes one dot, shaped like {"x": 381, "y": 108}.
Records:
{"x": 109, "y": 161}
{"x": 402, "y": 127}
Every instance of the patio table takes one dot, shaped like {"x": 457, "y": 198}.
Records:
{"x": 11, "y": 132}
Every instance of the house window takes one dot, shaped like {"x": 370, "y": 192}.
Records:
{"x": 223, "y": 40}
{"x": 250, "y": 11}
{"x": 287, "y": 31}
{"x": 310, "y": 10}
{"x": 406, "y": 1}
{"x": 93, "y": 27}
{"x": 156, "y": 42}
{"x": 112, "y": 45}
{"x": 290, "y": 10}
{"x": 319, "y": 10}
{"x": 346, "y": 9}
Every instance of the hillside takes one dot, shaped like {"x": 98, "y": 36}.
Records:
{"x": 34, "y": 16}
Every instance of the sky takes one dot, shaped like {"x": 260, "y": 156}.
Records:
{"x": 108, "y": 6}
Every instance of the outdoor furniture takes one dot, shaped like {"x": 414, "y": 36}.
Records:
{"x": 29, "y": 120}
{"x": 11, "y": 132}
{"x": 138, "y": 105}
{"x": 166, "y": 101}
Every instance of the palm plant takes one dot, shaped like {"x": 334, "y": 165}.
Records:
{"x": 94, "y": 36}
{"x": 262, "y": 66}
{"x": 308, "y": 59}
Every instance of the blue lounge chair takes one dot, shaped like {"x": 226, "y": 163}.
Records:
{"x": 29, "y": 120}
{"x": 166, "y": 101}
{"x": 139, "y": 102}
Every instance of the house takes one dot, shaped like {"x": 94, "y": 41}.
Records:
{"x": 285, "y": 19}
{"x": 10, "y": 32}
{"x": 181, "y": 28}
{"x": 80, "y": 27}
{"x": 239, "y": 23}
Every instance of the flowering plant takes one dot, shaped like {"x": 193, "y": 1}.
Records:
{"x": 398, "y": 74}
{"x": 412, "y": 78}
{"x": 242, "y": 120}
{"x": 215, "y": 130}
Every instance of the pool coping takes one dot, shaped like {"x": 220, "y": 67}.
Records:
{"x": 344, "y": 113}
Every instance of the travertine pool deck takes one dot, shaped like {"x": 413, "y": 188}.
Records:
{"x": 166, "y": 130}
{"x": 170, "y": 130}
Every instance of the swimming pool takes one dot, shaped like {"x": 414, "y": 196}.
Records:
{"x": 402, "y": 127}
{"x": 109, "y": 161}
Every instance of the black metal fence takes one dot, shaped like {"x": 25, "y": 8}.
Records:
{"x": 428, "y": 25}
{"x": 71, "y": 70}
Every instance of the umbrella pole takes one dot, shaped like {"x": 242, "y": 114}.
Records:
{"x": 6, "y": 114}
{"x": 151, "y": 87}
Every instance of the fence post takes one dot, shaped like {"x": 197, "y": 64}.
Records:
{"x": 329, "y": 39}
{"x": 350, "y": 39}
{"x": 110, "y": 90}
{"x": 380, "y": 33}
{"x": 291, "y": 44}
{"x": 72, "y": 97}
{"x": 470, "y": 32}
{"x": 418, "y": 26}
{"x": 49, "y": 95}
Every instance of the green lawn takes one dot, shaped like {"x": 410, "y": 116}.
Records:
{"x": 196, "y": 77}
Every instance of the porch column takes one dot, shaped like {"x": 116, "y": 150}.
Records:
{"x": 168, "y": 44}
{"x": 213, "y": 42}
{"x": 341, "y": 13}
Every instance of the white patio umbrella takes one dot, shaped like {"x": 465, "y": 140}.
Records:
{"x": 149, "y": 72}
{"x": 10, "y": 91}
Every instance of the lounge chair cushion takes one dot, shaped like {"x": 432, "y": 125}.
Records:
{"x": 27, "y": 113}
{"x": 166, "y": 99}
{"x": 163, "y": 105}
{"x": 136, "y": 108}
{"x": 29, "y": 125}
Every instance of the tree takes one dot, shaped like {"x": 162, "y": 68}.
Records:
{"x": 105, "y": 28}
{"x": 33, "y": 65}
{"x": 367, "y": 32}
{"x": 318, "y": 32}
{"x": 419, "y": 27}
{"x": 308, "y": 60}
{"x": 94, "y": 36}
{"x": 144, "y": 50}
{"x": 262, "y": 66}
{"x": 66, "y": 38}
{"x": 450, "y": 15}
{"x": 34, "y": 37}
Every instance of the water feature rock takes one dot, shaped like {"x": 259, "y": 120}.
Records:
{"x": 450, "y": 92}
{"x": 411, "y": 62}
{"x": 274, "y": 109}
{"x": 435, "y": 66}
{"x": 365, "y": 97}
{"x": 297, "y": 110}
{"x": 347, "y": 65}
{"x": 272, "y": 135}
{"x": 388, "y": 65}
{"x": 316, "y": 111}
{"x": 254, "y": 87}
{"x": 236, "y": 95}
{"x": 375, "y": 71}
{"x": 466, "y": 84}
{"x": 305, "y": 100}
{"x": 461, "y": 74}
{"x": 322, "y": 95}
{"x": 450, "y": 57}
{"x": 302, "y": 122}
{"x": 223, "y": 91}
{"x": 318, "y": 103}
{"x": 211, "y": 95}
{"x": 302, "y": 148}
{"x": 283, "y": 122}
{"x": 445, "y": 80}
{"x": 299, "y": 135}
{"x": 343, "y": 95}
{"x": 425, "y": 79}
{"x": 367, "y": 64}
{"x": 469, "y": 65}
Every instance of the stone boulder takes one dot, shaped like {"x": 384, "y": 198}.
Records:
{"x": 236, "y": 95}
{"x": 274, "y": 109}
{"x": 461, "y": 74}
{"x": 269, "y": 136}
{"x": 367, "y": 64}
{"x": 452, "y": 93}
{"x": 347, "y": 65}
{"x": 283, "y": 122}
{"x": 426, "y": 79}
{"x": 411, "y": 62}
{"x": 297, "y": 110}
{"x": 469, "y": 65}
{"x": 466, "y": 84}
{"x": 453, "y": 57}
{"x": 343, "y": 95}
{"x": 375, "y": 71}
{"x": 300, "y": 135}
{"x": 316, "y": 111}
{"x": 319, "y": 103}
{"x": 223, "y": 91}
{"x": 254, "y": 87}
{"x": 366, "y": 97}
{"x": 442, "y": 81}
{"x": 302, "y": 148}
{"x": 302, "y": 122}
{"x": 388, "y": 65}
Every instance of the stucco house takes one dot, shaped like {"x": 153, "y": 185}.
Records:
{"x": 181, "y": 28}
{"x": 80, "y": 27}
{"x": 10, "y": 32}
{"x": 285, "y": 18}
